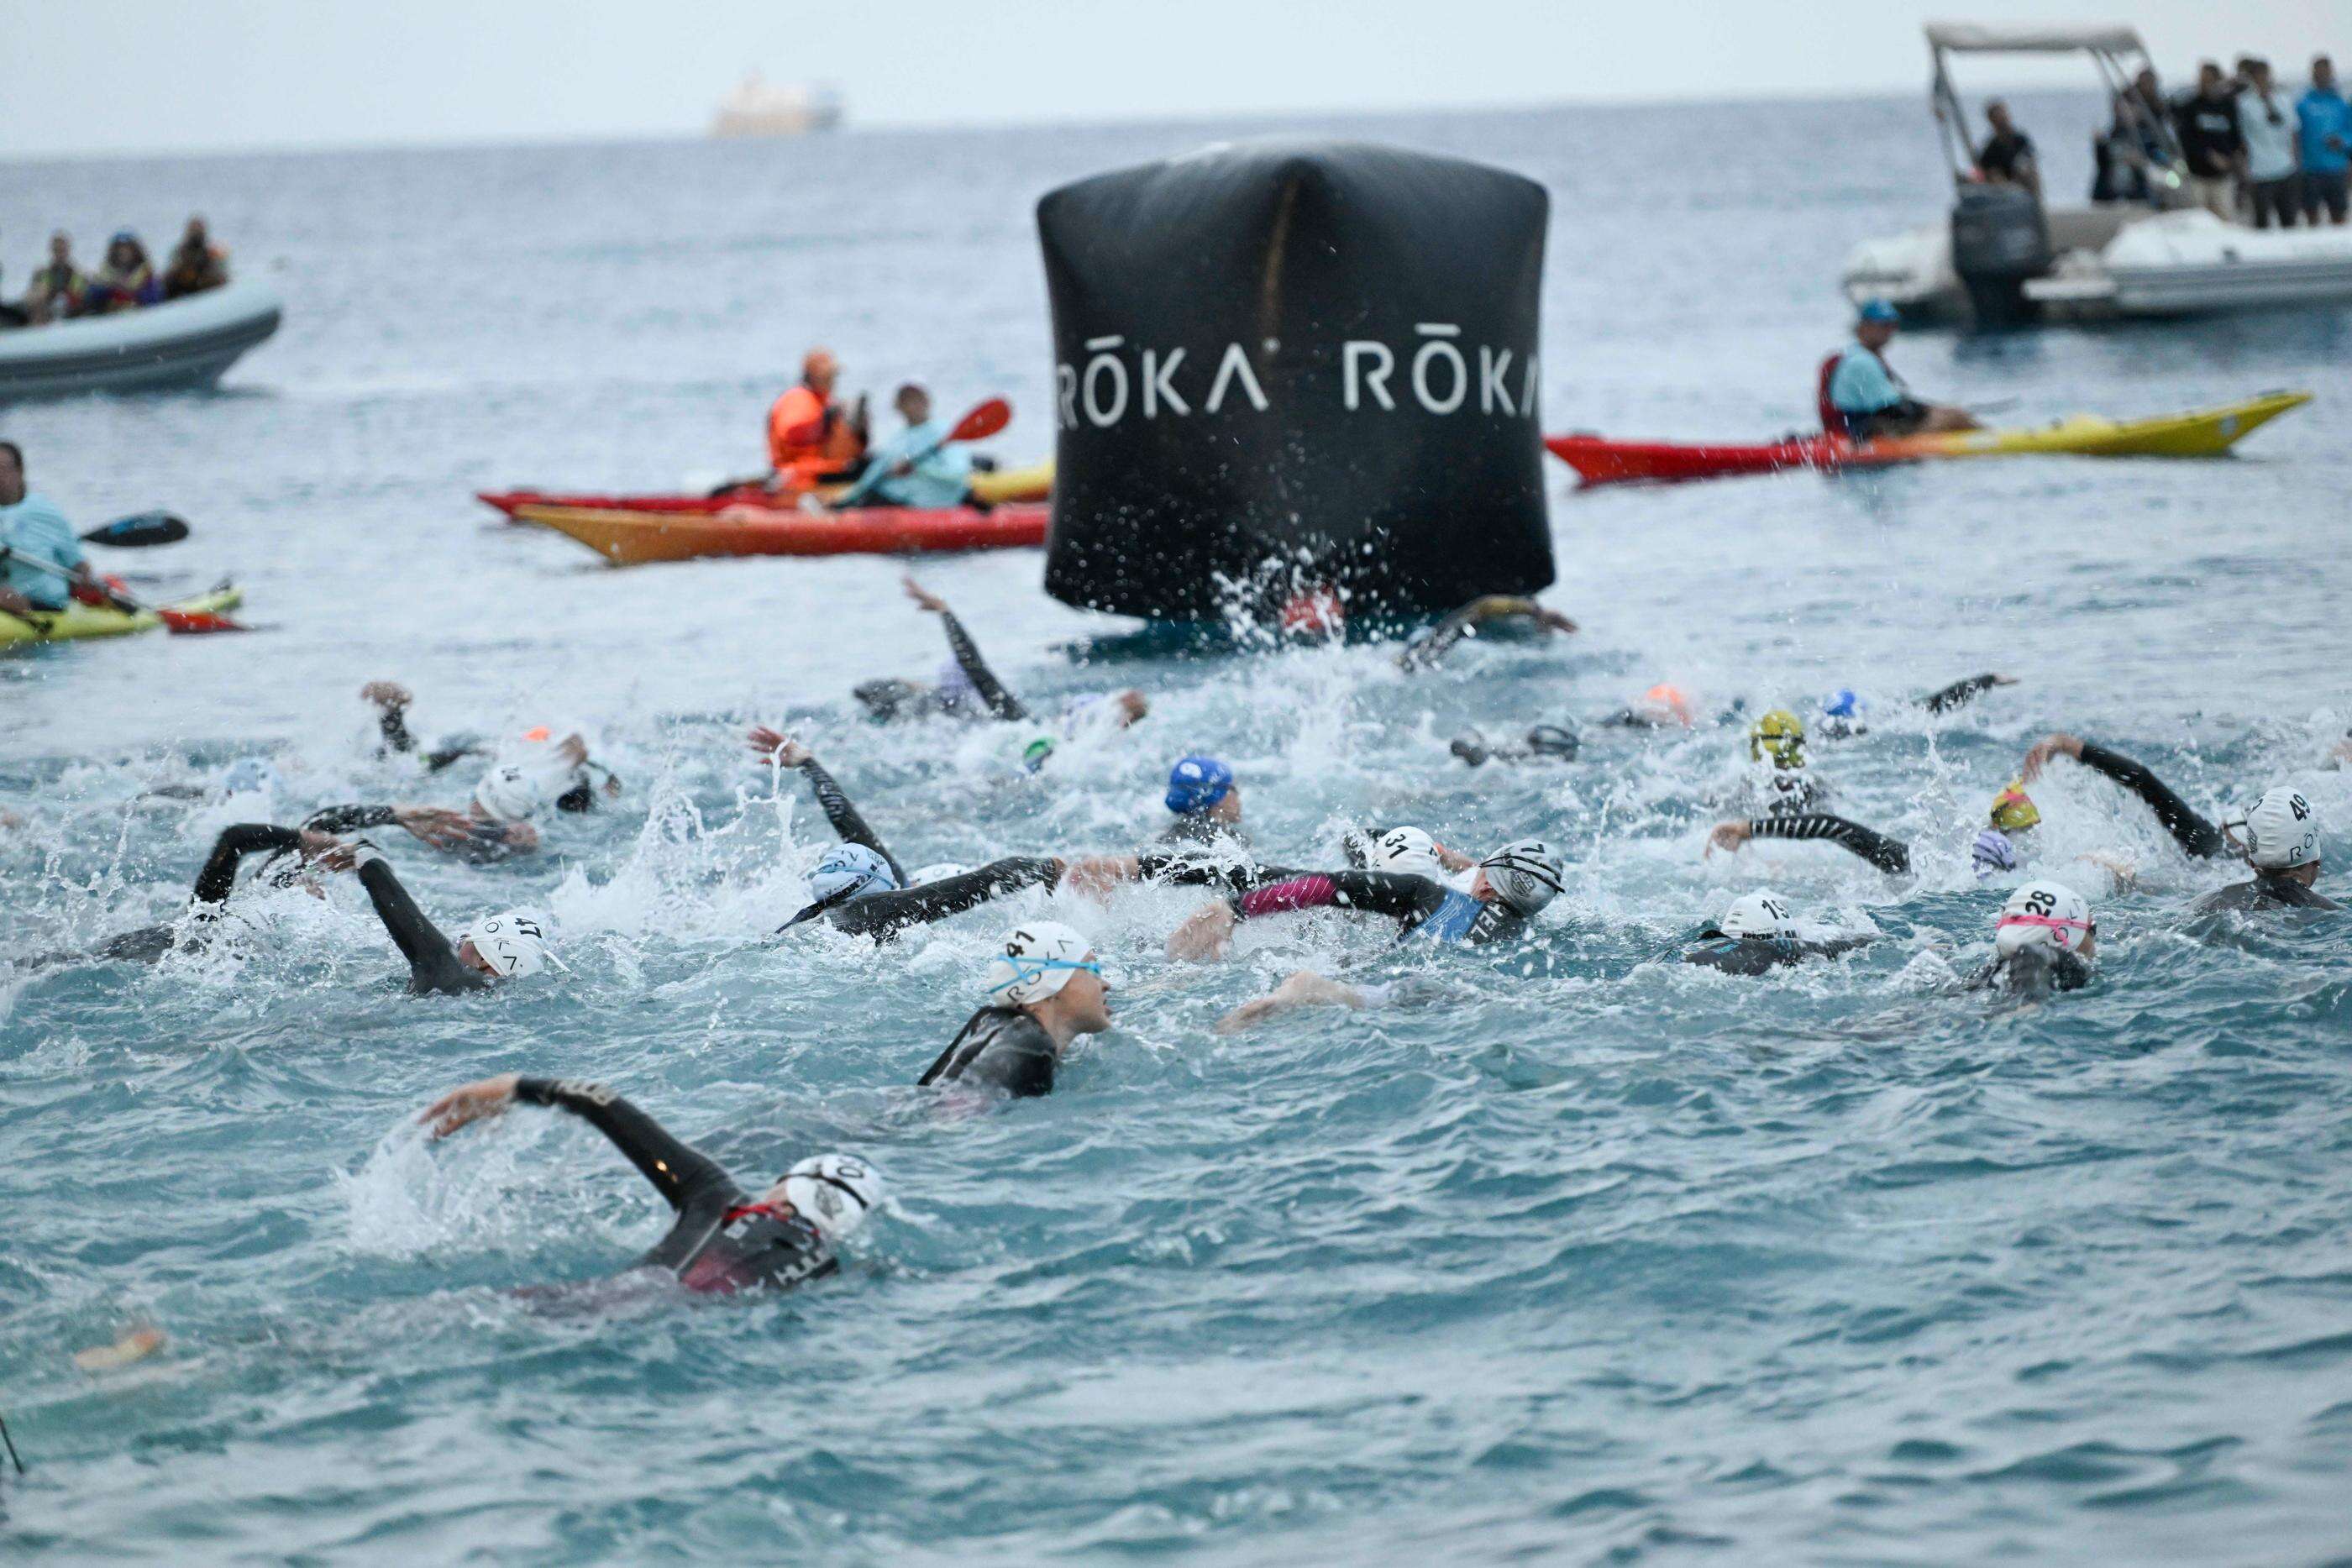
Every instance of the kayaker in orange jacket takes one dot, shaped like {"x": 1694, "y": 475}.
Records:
{"x": 809, "y": 438}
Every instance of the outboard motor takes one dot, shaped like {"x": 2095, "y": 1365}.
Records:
{"x": 1999, "y": 239}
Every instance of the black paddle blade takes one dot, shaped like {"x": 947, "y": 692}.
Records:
{"x": 139, "y": 533}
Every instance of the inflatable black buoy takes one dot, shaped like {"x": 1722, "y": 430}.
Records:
{"x": 1287, "y": 369}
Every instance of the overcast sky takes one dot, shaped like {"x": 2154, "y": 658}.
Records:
{"x": 95, "y": 76}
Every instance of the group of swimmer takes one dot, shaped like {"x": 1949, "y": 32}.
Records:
{"x": 1045, "y": 987}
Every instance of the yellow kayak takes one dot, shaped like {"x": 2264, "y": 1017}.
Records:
{"x": 1035, "y": 482}
{"x": 77, "y": 619}
{"x": 2203, "y": 433}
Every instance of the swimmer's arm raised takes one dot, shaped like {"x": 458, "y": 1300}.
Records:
{"x": 218, "y": 877}
{"x": 680, "y": 1172}
{"x": 845, "y": 817}
{"x": 1000, "y": 703}
{"x": 2192, "y": 831}
{"x": 1890, "y": 855}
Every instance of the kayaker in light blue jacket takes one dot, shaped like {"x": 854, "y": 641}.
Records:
{"x": 918, "y": 467}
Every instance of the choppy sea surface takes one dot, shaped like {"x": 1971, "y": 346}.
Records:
{"x": 1602, "y": 1259}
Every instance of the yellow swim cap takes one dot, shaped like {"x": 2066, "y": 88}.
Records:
{"x": 2013, "y": 808}
{"x": 1781, "y": 735}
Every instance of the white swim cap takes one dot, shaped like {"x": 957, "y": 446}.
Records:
{"x": 512, "y": 944}
{"x": 2280, "y": 830}
{"x": 1759, "y": 914}
{"x": 250, "y": 775}
{"x": 1038, "y": 960}
{"x": 507, "y": 794}
{"x": 939, "y": 873}
{"x": 834, "y": 1192}
{"x": 849, "y": 871}
{"x": 1525, "y": 874}
{"x": 2042, "y": 911}
{"x": 1408, "y": 851}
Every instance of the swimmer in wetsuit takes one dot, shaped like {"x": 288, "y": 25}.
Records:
{"x": 495, "y": 825}
{"x": 2044, "y": 942}
{"x": 391, "y": 700}
{"x": 967, "y": 688}
{"x": 1845, "y": 713}
{"x": 2278, "y": 835}
{"x": 1783, "y": 789}
{"x": 497, "y": 947}
{"x": 1542, "y": 743}
{"x": 723, "y": 1240}
{"x": 1757, "y": 936}
{"x": 1494, "y": 609}
{"x": 1046, "y": 988}
{"x": 215, "y": 883}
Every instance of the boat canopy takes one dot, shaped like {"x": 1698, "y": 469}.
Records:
{"x": 1972, "y": 38}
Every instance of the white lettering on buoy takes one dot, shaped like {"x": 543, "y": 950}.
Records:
{"x": 1383, "y": 366}
{"x": 1236, "y": 366}
{"x": 1106, "y": 362}
{"x": 1492, "y": 368}
{"x": 1437, "y": 332}
{"x": 1158, "y": 387}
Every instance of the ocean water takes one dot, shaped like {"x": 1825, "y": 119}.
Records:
{"x": 1597, "y": 1258}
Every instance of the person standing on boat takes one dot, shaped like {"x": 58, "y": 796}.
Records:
{"x": 2007, "y": 157}
{"x": 1862, "y": 398}
{"x": 2325, "y": 119}
{"x": 2268, "y": 130}
{"x": 810, "y": 438}
{"x": 2211, "y": 142}
{"x": 32, "y": 530}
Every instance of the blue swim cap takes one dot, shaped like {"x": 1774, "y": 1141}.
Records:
{"x": 1992, "y": 854}
{"x": 849, "y": 871}
{"x": 1197, "y": 783}
{"x": 1880, "y": 310}
{"x": 1844, "y": 702}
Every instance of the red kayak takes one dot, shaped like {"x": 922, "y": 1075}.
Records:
{"x": 632, "y": 538}
{"x": 1034, "y": 483}
{"x": 1600, "y": 461}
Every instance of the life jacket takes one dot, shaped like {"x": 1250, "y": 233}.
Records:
{"x": 808, "y": 438}
{"x": 1834, "y": 421}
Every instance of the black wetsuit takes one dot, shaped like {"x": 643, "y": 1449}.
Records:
{"x": 1421, "y": 905}
{"x": 1544, "y": 742}
{"x": 1001, "y": 1047}
{"x": 882, "y": 915}
{"x": 483, "y": 841}
{"x": 215, "y": 883}
{"x": 2201, "y": 840}
{"x": 889, "y": 699}
{"x": 1762, "y": 954}
{"x": 705, "y": 1248}
{"x": 1434, "y": 644}
{"x": 1959, "y": 694}
{"x": 1890, "y": 855}
{"x": 846, "y": 823}
{"x": 2034, "y": 972}
{"x": 432, "y": 965}
{"x": 1789, "y": 792}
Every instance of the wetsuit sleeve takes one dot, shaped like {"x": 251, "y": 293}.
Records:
{"x": 218, "y": 877}
{"x": 882, "y": 914}
{"x": 1890, "y": 855}
{"x": 845, "y": 817}
{"x": 2193, "y": 833}
{"x": 394, "y": 723}
{"x": 1189, "y": 871}
{"x": 1000, "y": 703}
{"x": 1959, "y": 694}
{"x": 683, "y": 1174}
{"x": 432, "y": 957}
{"x": 1435, "y": 643}
{"x": 1379, "y": 891}
{"x": 350, "y": 819}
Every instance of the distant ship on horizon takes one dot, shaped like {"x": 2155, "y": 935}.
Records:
{"x": 756, "y": 109}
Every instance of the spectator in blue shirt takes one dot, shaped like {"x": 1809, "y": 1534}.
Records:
{"x": 2325, "y": 120}
{"x": 918, "y": 468}
{"x": 1862, "y": 398}
{"x": 31, "y": 528}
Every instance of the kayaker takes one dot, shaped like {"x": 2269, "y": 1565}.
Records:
{"x": 57, "y": 287}
{"x": 2210, "y": 143}
{"x": 967, "y": 688}
{"x": 196, "y": 264}
{"x": 1045, "y": 987}
{"x": 2324, "y": 127}
{"x": 2266, "y": 123}
{"x": 127, "y": 280}
{"x": 723, "y": 1239}
{"x": 1507, "y": 891}
{"x": 918, "y": 467}
{"x": 504, "y": 947}
{"x": 33, "y": 529}
{"x": 1759, "y": 935}
{"x": 587, "y": 780}
{"x": 2044, "y": 941}
{"x": 2278, "y": 836}
{"x": 2007, "y": 157}
{"x": 215, "y": 880}
{"x": 1862, "y": 398}
{"x": 809, "y": 438}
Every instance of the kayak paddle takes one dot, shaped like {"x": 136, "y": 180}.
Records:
{"x": 985, "y": 420}
{"x": 139, "y": 533}
{"x": 182, "y": 621}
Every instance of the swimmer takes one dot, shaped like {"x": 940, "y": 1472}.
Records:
{"x": 2278, "y": 835}
{"x": 1783, "y": 789}
{"x": 859, "y": 887}
{"x": 967, "y": 688}
{"x": 494, "y": 826}
{"x": 1663, "y": 706}
{"x": 1542, "y": 743}
{"x": 1757, "y": 934}
{"x": 2044, "y": 941}
{"x": 1494, "y": 609}
{"x": 1892, "y": 856}
{"x": 391, "y": 700}
{"x": 1207, "y": 804}
{"x": 215, "y": 881}
{"x": 723, "y": 1240}
{"x": 1845, "y": 713}
{"x": 499, "y": 947}
{"x": 1507, "y": 891}
{"x": 1046, "y": 988}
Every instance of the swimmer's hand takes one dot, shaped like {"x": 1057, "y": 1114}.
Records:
{"x": 1727, "y": 837}
{"x": 1454, "y": 860}
{"x": 385, "y": 693}
{"x": 1097, "y": 875}
{"x": 923, "y": 596}
{"x": 774, "y": 745}
{"x": 474, "y": 1103}
{"x": 1304, "y": 989}
{"x": 2000, "y": 680}
{"x": 1552, "y": 620}
{"x": 520, "y": 836}
{"x": 441, "y": 829}
{"x": 2126, "y": 874}
{"x": 315, "y": 844}
{"x": 1206, "y": 937}
{"x": 2043, "y": 749}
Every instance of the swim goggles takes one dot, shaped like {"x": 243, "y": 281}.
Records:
{"x": 1028, "y": 970}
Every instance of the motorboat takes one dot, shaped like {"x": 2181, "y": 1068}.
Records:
{"x": 184, "y": 343}
{"x": 2005, "y": 256}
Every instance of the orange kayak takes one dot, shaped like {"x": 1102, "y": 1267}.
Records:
{"x": 633, "y": 538}
{"x": 1034, "y": 483}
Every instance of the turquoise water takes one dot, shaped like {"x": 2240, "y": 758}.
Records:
{"x": 1608, "y": 1259}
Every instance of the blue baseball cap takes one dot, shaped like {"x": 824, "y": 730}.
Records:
{"x": 1197, "y": 783}
{"x": 1880, "y": 310}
